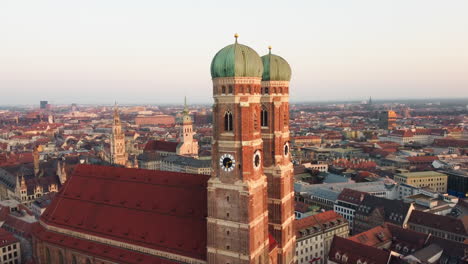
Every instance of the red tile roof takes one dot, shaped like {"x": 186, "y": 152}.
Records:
{"x": 352, "y": 196}
{"x": 422, "y": 159}
{"x": 373, "y": 237}
{"x": 107, "y": 252}
{"x": 353, "y": 251}
{"x": 445, "y": 223}
{"x": 320, "y": 221}
{"x": 160, "y": 145}
{"x": 156, "y": 209}
{"x": 6, "y": 238}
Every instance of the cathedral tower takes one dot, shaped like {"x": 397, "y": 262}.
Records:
{"x": 237, "y": 190}
{"x": 188, "y": 146}
{"x": 274, "y": 120}
{"x": 118, "y": 154}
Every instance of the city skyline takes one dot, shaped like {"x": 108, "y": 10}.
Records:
{"x": 98, "y": 52}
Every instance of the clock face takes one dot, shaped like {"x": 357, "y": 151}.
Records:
{"x": 286, "y": 149}
{"x": 257, "y": 159}
{"x": 227, "y": 162}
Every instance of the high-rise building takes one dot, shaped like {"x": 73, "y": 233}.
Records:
{"x": 274, "y": 127}
{"x": 387, "y": 119}
{"x": 43, "y": 104}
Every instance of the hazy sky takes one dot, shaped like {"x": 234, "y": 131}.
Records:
{"x": 98, "y": 51}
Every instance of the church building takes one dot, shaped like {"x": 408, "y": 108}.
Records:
{"x": 240, "y": 214}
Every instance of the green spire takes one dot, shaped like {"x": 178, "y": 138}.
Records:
{"x": 186, "y": 111}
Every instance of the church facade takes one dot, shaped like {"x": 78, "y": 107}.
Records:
{"x": 240, "y": 214}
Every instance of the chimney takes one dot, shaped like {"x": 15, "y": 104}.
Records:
{"x": 36, "y": 160}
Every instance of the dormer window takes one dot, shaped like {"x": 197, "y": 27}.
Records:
{"x": 337, "y": 256}
{"x": 344, "y": 258}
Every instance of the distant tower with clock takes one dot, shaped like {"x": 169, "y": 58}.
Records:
{"x": 118, "y": 153}
{"x": 277, "y": 165}
{"x": 238, "y": 217}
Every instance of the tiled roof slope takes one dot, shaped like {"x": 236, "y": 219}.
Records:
{"x": 160, "y": 145}
{"x": 395, "y": 211}
{"x": 107, "y": 252}
{"x": 160, "y": 210}
{"x": 446, "y": 223}
{"x": 353, "y": 251}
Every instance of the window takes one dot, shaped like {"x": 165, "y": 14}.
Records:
{"x": 48, "y": 259}
{"x": 266, "y": 90}
{"x": 255, "y": 121}
{"x": 230, "y": 89}
{"x": 264, "y": 117}
{"x": 223, "y": 89}
{"x": 228, "y": 121}
{"x": 61, "y": 260}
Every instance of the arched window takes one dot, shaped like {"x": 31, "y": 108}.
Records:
{"x": 228, "y": 121}
{"x": 60, "y": 257}
{"x": 48, "y": 259}
{"x": 266, "y": 90}
{"x": 248, "y": 89}
{"x": 230, "y": 89}
{"x": 264, "y": 117}
{"x": 223, "y": 89}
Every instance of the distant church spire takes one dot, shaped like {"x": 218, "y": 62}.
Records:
{"x": 118, "y": 153}
{"x": 188, "y": 146}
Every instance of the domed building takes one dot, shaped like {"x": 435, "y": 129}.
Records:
{"x": 236, "y": 60}
{"x": 241, "y": 214}
{"x": 275, "y": 68}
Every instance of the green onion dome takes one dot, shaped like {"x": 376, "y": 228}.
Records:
{"x": 275, "y": 68}
{"x": 236, "y": 60}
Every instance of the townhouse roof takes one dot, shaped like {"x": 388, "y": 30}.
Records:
{"x": 394, "y": 211}
{"x": 353, "y": 252}
{"x": 352, "y": 196}
{"x": 161, "y": 145}
{"x": 441, "y": 222}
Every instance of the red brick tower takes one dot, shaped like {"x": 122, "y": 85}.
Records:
{"x": 274, "y": 119}
{"x": 237, "y": 190}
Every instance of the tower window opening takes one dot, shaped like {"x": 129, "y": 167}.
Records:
{"x": 228, "y": 121}
{"x": 230, "y": 89}
{"x": 264, "y": 117}
{"x": 223, "y": 89}
{"x": 255, "y": 121}
{"x": 266, "y": 90}
{"x": 248, "y": 89}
